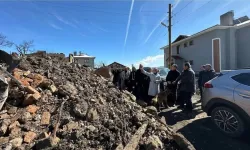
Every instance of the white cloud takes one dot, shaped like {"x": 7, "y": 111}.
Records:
{"x": 55, "y": 26}
{"x": 61, "y": 19}
{"x": 151, "y": 61}
{"x": 98, "y": 27}
{"x": 129, "y": 19}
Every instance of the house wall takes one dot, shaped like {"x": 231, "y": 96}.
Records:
{"x": 243, "y": 47}
{"x": 201, "y": 50}
{"x": 90, "y": 61}
{"x": 230, "y": 49}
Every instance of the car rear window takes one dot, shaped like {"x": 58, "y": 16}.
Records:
{"x": 243, "y": 78}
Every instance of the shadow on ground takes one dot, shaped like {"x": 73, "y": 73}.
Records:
{"x": 174, "y": 115}
{"x": 205, "y": 136}
{"x": 201, "y": 132}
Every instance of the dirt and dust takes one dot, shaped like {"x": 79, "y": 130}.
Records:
{"x": 66, "y": 106}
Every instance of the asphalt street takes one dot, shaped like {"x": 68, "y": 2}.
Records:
{"x": 200, "y": 130}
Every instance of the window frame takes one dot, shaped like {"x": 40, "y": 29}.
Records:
{"x": 240, "y": 82}
{"x": 178, "y": 49}
{"x": 186, "y": 44}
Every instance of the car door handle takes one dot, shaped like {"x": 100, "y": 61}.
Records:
{"x": 244, "y": 95}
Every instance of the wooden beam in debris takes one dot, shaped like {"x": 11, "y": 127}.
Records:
{"x": 13, "y": 78}
{"x": 133, "y": 143}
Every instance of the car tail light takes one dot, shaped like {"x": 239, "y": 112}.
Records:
{"x": 208, "y": 85}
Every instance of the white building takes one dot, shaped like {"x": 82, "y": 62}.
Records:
{"x": 86, "y": 60}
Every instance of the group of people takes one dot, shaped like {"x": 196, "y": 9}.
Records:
{"x": 139, "y": 82}
{"x": 145, "y": 85}
{"x": 182, "y": 86}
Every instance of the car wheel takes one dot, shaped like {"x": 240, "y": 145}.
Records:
{"x": 228, "y": 121}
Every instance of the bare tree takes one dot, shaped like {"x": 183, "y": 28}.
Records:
{"x": 100, "y": 64}
{"x": 4, "y": 41}
{"x": 24, "y": 47}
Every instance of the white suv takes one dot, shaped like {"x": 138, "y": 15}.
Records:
{"x": 226, "y": 99}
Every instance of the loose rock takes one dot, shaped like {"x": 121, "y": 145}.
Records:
{"x": 151, "y": 110}
{"x": 30, "y": 136}
{"x": 32, "y": 109}
{"x": 16, "y": 142}
{"x": 92, "y": 115}
{"x": 154, "y": 143}
{"x": 45, "y": 120}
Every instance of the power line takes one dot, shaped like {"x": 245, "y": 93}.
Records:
{"x": 98, "y": 10}
{"x": 183, "y": 7}
{"x": 191, "y": 12}
{"x": 80, "y": 6}
{"x": 105, "y": 21}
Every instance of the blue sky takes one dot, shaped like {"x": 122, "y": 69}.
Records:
{"x": 126, "y": 31}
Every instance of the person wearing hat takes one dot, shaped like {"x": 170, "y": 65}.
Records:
{"x": 186, "y": 87}
{"x": 207, "y": 75}
{"x": 200, "y": 79}
{"x": 173, "y": 74}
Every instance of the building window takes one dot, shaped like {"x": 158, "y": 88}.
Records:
{"x": 185, "y": 44}
{"x": 191, "y": 43}
{"x": 191, "y": 62}
{"x": 86, "y": 61}
{"x": 178, "y": 49}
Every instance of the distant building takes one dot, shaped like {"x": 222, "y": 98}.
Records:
{"x": 116, "y": 65}
{"x": 41, "y": 53}
{"x": 85, "y": 60}
{"x": 225, "y": 46}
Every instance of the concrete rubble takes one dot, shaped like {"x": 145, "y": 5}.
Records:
{"x": 67, "y": 106}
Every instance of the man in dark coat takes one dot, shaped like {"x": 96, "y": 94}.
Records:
{"x": 173, "y": 74}
{"x": 139, "y": 84}
{"x": 200, "y": 79}
{"x": 142, "y": 85}
{"x": 132, "y": 81}
{"x": 186, "y": 86}
{"x": 207, "y": 74}
{"x": 123, "y": 81}
{"x": 116, "y": 78}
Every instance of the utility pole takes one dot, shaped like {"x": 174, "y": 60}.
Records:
{"x": 169, "y": 35}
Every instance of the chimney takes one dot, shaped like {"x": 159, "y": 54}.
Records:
{"x": 227, "y": 19}
{"x": 75, "y": 53}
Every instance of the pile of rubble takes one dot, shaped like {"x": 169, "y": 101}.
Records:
{"x": 67, "y": 106}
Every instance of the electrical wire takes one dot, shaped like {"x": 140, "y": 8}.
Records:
{"x": 183, "y": 8}
{"x": 111, "y": 21}
{"x": 82, "y": 10}
{"x": 191, "y": 13}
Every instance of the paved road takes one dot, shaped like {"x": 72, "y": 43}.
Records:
{"x": 201, "y": 132}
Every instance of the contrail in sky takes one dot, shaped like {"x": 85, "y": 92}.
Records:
{"x": 157, "y": 25}
{"x": 129, "y": 18}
